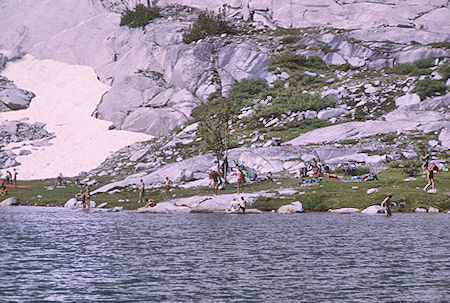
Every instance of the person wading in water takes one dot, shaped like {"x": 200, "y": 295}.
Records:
{"x": 387, "y": 203}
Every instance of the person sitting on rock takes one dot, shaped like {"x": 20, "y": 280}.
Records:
{"x": 234, "y": 206}
{"x": 59, "y": 179}
{"x": 3, "y": 190}
{"x": 150, "y": 203}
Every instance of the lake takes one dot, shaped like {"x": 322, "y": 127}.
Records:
{"x": 65, "y": 255}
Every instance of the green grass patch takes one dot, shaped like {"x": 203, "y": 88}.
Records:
{"x": 291, "y": 61}
{"x": 330, "y": 193}
{"x": 336, "y": 194}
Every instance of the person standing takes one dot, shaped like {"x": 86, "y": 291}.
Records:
{"x": 214, "y": 176}
{"x": 387, "y": 203}
{"x": 87, "y": 194}
{"x": 430, "y": 171}
{"x": 167, "y": 187}
{"x": 426, "y": 160}
{"x": 15, "y": 173}
{"x": 240, "y": 180}
{"x": 8, "y": 177}
{"x": 142, "y": 192}
{"x": 243, "y": 205}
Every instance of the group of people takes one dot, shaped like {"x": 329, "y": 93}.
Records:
{"x": 85, "y": 197}
{"x": 237, "y": 206}
{"x": 317, "y": 168}
{"x": 11, "y": 178}
{"x": 216, "y": 180}
{"x": 151, "y": 202}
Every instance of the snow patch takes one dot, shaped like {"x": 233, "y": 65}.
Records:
{"x": 66, "y": 97}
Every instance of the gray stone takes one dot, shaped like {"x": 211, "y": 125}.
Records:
{"x": 410, "y": 154}
{"x": 294, "y": 207}
{"x": 310, "y": 114}
{"x": 331, "y": 112}
{"x": 10, "y": 202}
{"x": 407, "y": 99}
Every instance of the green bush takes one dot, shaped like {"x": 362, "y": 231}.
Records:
{"x": 246, "y": 89}
{"x": 400, "y": 69}
{"x": 417, "y": 68}
{"x": 208, "y": 24}
{"x": 140, "y": 16}
{"x": 290, "y": 39}
{"x": 444, "y": 71}
{"x": 292, "y": 61}
{"x": 424, "y": 63}
{"x": 428, "y": 88}
{"x": 410, "y": 167}
{"x": 420, "y": 71}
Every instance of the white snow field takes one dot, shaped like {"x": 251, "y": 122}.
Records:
{"x": 66, "y": 97}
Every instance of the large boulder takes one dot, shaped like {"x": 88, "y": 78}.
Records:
{"x": 10, "y": 202}
{"x": 16, "y": 99}
{"x": 407, "y": 99}
{"x": 371, "y": 210}
{"x": 294, "y": 207}
{"x": 331, "y": 112}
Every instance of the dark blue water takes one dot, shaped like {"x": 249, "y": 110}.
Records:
{"x": 61, "y": 255}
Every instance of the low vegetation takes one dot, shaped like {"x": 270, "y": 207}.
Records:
{"x": 208, "y": 24}
{"x": 140, "y": 16}
{"x": 331, "y": 193}
{"x": 429, "y": 88}
{"x": 417, "y": 68}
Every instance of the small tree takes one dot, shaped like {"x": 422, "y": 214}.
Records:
{"x": 214, "y": 129}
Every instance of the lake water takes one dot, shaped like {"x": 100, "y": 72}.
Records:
{"x": 63, "y": 255}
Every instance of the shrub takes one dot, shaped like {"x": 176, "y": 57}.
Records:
{"x": 292, "y": 61}
{"x": 410, "y": 167}
{"x": 290, "y": 39}
{"x": 417, "y": 68}
{"x": 420, "y": 71}
{"x": 140, "y": 16}
{"x": 208, "y": 24}
{"x": 246, "y": 89}
{"x": 428, "y": 88}
{"x": 400, "y": 69}
{"x": 424, "y": 63}
{"x": 444, "y": 71}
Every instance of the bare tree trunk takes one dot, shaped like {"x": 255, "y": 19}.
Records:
{"x": 148, "y": 3}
